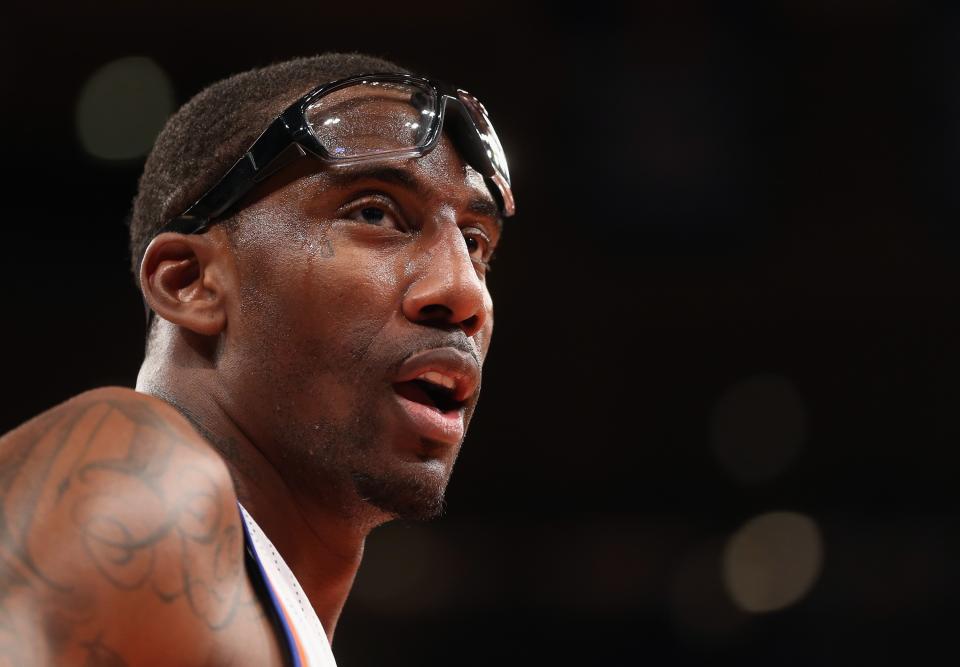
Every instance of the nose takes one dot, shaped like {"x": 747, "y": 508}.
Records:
{"x": 446, "y": 291}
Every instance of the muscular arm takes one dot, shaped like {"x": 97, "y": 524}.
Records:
{"x": 120, "y": 541}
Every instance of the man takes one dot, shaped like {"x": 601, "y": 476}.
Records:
{"x": 318, "y": 321}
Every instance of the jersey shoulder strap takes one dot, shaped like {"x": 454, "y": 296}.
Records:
{"x": 300, "y": 629}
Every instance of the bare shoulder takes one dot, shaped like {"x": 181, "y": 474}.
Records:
{"x": 132, "y": 407}
{"x": 119, "y": 531}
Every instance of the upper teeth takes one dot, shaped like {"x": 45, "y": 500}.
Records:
{"x": 434, "y": 377}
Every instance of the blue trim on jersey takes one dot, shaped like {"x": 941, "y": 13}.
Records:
{"x": 277, "y": 608}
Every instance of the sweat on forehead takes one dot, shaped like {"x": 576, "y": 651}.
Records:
{"x": 209, "y": 133}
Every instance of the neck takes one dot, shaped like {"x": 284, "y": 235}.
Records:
{"x": 320, "y": 536}
{"x": 321, "y": 547}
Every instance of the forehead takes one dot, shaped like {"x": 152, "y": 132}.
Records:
{"x": 441, "y": 177}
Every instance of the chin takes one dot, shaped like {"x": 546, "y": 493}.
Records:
{"x": 417, "y": 496}
{"x": 369, "y": 457}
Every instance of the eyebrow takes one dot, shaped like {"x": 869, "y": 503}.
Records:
{"x": 344, "y": 176}
{"x": 481, "y": 206}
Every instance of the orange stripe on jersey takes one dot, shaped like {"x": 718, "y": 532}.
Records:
{"x": 292, "y": 626}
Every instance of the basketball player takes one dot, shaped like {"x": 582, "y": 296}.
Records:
{"x": 311, "y": 240}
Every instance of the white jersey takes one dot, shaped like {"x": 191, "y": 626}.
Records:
{"x": 306, "y": 641}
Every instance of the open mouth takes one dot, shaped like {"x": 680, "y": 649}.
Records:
{"x": 433, "y": 389}
{"x": 430, "y": 394}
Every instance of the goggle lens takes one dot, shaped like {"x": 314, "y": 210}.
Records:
{"x": 373, "y": 119}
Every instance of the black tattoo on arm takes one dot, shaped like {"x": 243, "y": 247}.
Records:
{"x": 107, "y": 497}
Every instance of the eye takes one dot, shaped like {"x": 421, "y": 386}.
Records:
{"x": 373, "y": 214}
{"x": 375, "y": 210}
{"x": 479, "y": 246}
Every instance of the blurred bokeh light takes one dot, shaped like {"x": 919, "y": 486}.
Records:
{"x": 757, "y": 427}
{"x": 122, "y": 107}
{"x": 772, "y": 561}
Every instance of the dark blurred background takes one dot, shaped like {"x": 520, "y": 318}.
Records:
{"x": 721, "y": 414}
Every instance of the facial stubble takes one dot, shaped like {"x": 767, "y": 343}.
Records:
{"x": 346, "y": 459}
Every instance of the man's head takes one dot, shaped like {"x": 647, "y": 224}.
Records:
{"x": 341, "y": 315}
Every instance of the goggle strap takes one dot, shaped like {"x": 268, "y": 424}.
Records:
{"x": 287, "y": 156}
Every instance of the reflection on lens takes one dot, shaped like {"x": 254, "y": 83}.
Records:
{"x": 490, "y": 139}
{"x": 373, "y": 118}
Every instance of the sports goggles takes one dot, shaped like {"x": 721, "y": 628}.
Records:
{"x": 359, "y": 119}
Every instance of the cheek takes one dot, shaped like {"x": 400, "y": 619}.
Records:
{"x": 331, "y": 301}
{"x": 307, "y": 340}
{"x": 353, "y": 289}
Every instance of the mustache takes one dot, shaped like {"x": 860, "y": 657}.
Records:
{"x": 438, "y": 339}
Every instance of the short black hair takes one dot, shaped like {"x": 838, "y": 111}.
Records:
{"x": 211, "y": 132}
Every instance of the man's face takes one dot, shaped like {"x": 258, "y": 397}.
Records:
{"x": 353, "y": 350}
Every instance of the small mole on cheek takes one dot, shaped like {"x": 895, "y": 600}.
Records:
{"x": 321, "y": 246}
{"x": 326, "y": 248}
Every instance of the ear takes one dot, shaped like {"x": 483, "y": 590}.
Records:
{"x": 184, "y": 279}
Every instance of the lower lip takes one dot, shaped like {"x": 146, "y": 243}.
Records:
{"x": 444, "y": 427}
